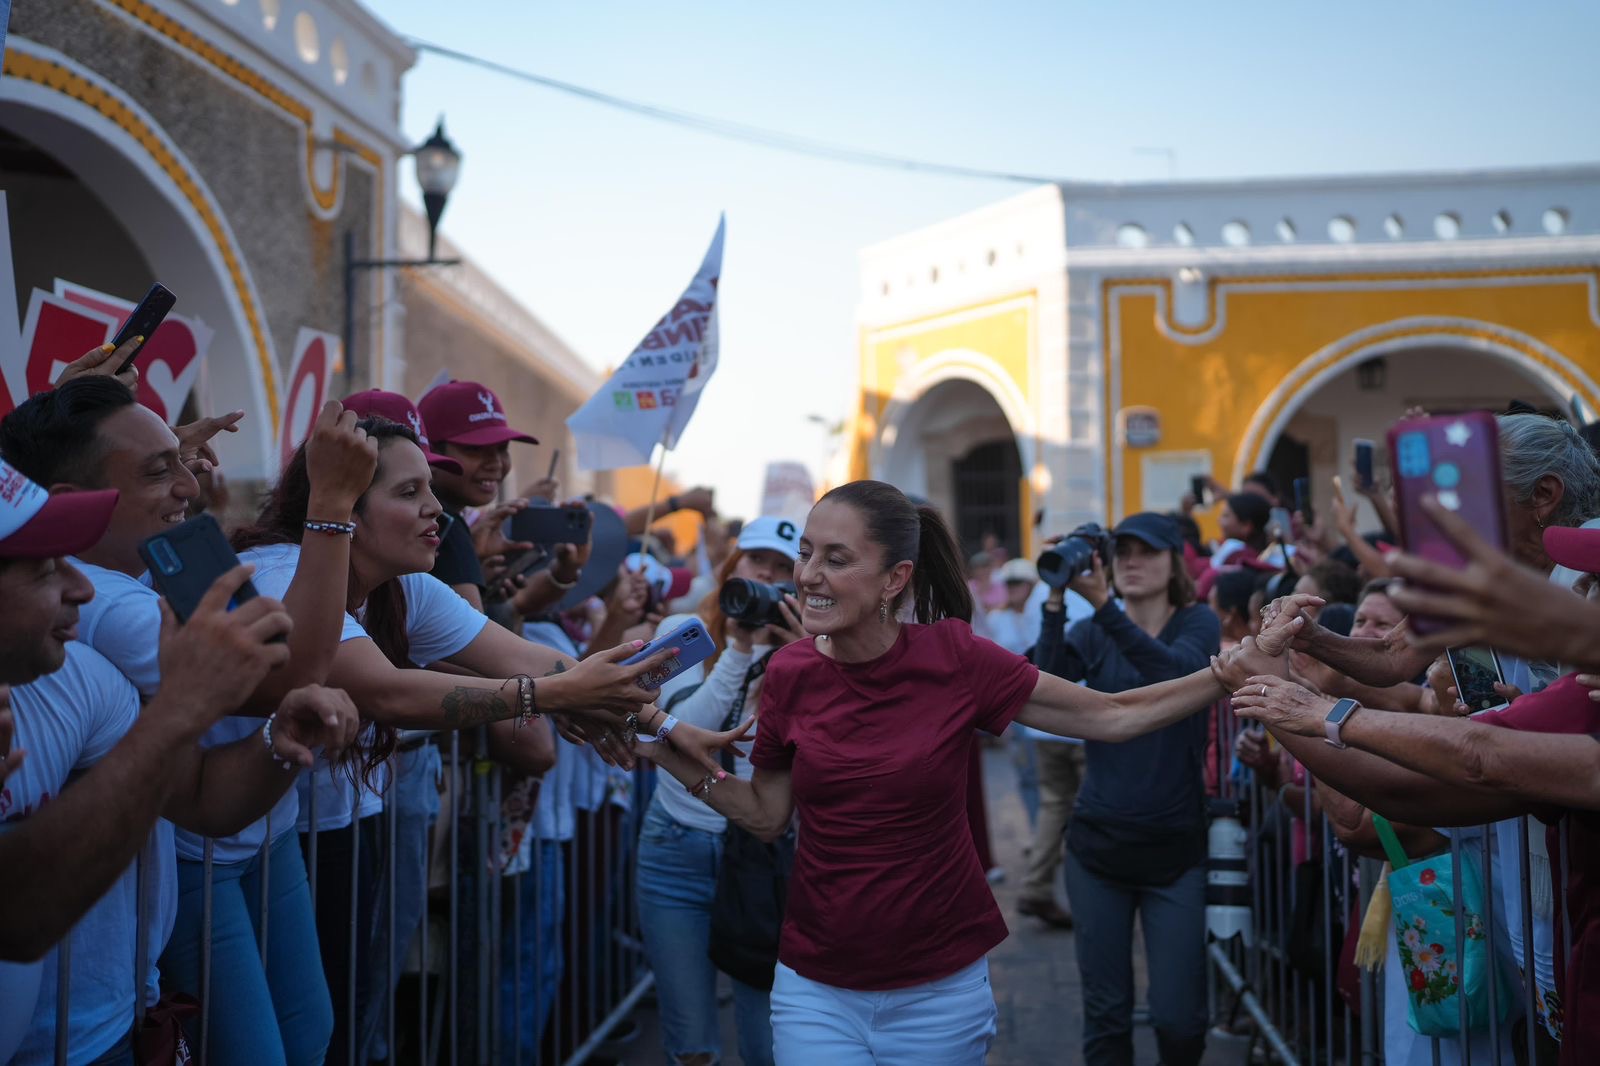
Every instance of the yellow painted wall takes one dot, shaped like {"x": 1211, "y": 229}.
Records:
{"x": 1209, "y": 392}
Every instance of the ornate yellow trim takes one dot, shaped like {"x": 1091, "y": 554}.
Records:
{"x": 1215, "y": 285}
{"x": 193, "y": 43}
{"x": 54, "y": 76}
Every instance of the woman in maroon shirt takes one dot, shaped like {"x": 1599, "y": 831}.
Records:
{"x": 864, "y": 733}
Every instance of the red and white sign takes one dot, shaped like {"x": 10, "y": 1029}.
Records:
{"x": 60, "y": 326}
{"x": 316, "y": 357}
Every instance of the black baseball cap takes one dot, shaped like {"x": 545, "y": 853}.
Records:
{"x": 1159, "y": 531}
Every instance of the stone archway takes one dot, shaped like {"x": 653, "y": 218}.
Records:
{"x": 115, "y": 154}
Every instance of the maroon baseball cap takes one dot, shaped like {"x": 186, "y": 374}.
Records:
{"x": 1576, "y": 549}
{"x": 464, "y": 412}
{"x": 396, "y": 408}
{"x": 35, "y": 524}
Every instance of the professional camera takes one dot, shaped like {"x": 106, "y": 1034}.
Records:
{"x": 752, "y": 604}
{"x": 1074, "y": 555}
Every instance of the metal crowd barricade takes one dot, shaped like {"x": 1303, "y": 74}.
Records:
{"x": 1283, "y": 989}
{"x": 434, "y": 993}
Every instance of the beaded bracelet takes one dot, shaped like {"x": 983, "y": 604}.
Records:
{"x": 347, "y": 529}
{"x": 527, "y": 705}
{"x": 661, "y": 733}
{"x": 266, "y": 738}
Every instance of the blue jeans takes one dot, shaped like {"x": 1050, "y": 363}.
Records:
{"x": 414, "y": 795}
{"x": 677, "y": 883}
{"x": 277, "y": 1014}
{"x": 948, "y": 1022}
{"x": 1173, "y": 918}
{"x": 541, "y": 893}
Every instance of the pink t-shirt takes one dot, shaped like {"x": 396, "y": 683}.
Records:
{"x": 887, "y": 890}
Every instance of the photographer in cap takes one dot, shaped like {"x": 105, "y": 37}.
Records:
{"x": 681, "y": 842}
{"x": 1137, "y": 837}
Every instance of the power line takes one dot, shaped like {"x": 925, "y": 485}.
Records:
{"x": 736, "y": 131}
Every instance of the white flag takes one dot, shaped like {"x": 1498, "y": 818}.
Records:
{"x": 654, "y": 392}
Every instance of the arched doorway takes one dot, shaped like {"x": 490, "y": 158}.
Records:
{"x": 97, "y": 200}
{"x": 1363, "y": 400}
{"x": 955, "y": 446}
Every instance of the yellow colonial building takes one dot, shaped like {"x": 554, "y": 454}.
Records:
{"x": 1078, "y": 352}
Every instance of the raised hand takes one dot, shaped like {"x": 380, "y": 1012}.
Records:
{"x": 103, "y": 361}
{"x": 488, "y": 532}
{"x": 699, "y": 499}
{"x": 1282, "y": 706}
{"x": 194, "y": 440}
{"x": 314, "y": 717}
{"x": 1285, "y": 624}
{"x": 1493, "y": 600}
{"x": 341, "y": 460}
{"x": 210, "y": 663}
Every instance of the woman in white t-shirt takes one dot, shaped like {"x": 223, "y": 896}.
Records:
{"x": 680, "y": 842}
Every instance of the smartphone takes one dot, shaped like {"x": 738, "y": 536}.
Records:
{"x": 144, "y": 320}
{"x": 1477, "y": 671}
{"x": 693, "y": 644}
{"x": 187, "y": 561}
{"x": 1363, "y": 463}
{"x": 1280, "y": 524}
{"x": 540, "y": 523}
{"x": 1302, "y": 498}
{"x": 1455, "y": 459}
{"x": 1200, "y": 489}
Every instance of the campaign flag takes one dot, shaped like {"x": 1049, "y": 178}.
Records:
{"x": 650, "y": 397}
{"x": 316, "y": 355}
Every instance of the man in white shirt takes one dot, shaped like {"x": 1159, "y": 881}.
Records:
{"x": 77, "y": 723}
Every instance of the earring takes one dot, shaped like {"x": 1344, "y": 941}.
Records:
{"x": 883, "y": 611}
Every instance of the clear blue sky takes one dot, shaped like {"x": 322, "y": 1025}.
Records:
{"x": 596, "y": 219}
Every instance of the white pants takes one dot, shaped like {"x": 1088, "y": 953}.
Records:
{"x": 948, "y": 1022}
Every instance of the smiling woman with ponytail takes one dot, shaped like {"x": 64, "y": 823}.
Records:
{"x": 865, "y": 734}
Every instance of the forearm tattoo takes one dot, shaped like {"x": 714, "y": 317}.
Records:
{"x": 467, "y": 707}
{"x": 559, "y": 668}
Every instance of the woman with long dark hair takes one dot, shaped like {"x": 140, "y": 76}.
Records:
{"x": 865, "y": 731}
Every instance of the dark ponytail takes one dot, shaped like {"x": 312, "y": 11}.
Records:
{"x": 906, "y": 532}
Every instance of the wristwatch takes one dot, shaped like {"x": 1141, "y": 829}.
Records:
{"x": 1337, "y": 717}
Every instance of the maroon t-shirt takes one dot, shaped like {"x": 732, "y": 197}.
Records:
{"x": 1565, "y": 707}
{"x": 887, "y": 890}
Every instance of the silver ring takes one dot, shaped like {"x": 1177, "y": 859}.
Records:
{"x": 1263, "y": 690}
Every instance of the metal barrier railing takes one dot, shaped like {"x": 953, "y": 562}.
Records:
{"x": 448, "y": 961}
{"x": 1290, "y": 988}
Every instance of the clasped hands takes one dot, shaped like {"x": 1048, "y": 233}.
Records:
{"x": 1257, "y": 672}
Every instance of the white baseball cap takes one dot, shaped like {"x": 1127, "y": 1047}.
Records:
{"x": 36, "y": 525}
{"x": 772, "y": 534}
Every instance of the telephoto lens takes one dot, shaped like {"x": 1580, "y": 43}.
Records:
{"x": 752, "y": 604}
{"x": 1074, "y": 555}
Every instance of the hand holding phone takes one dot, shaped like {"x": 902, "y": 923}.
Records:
{"x": 1200, "y": 489}
{"x": 547, "y": 524}
{"x": 693, "y": 644}
{"x": 1280, "y": 524}
{"x": 1477, "y": 671}
{"x": 143, "y": 321}
{"x": 1456, "y": 460}
{"x": 1302, "y": 499}
{"x": 1363, "y": 462}
{"x": 186, "y": 562}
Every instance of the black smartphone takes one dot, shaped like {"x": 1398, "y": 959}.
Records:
{"x": 144, "y": 320}
{"x": 1280, "y": 524}
{"x": 1363, "y": 463}
{"x": 547, "y": 524}
{"x": 1476, "y": 672}
{"x": 1199, "y": 488}
{"x": 187, "y": 561}
{"x": 1302, "y": 498}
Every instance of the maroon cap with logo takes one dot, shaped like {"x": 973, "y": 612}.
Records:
{"x": 396, "y": 408}
{"x": 34, "y": 524}
{"x": 464, "y": 412}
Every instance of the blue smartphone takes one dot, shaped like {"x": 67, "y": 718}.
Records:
{"x": 693, "y": 644}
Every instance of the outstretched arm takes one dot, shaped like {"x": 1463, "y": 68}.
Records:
{"x": 1378, "y": 661}
{"x": 764, "y": 805}
{"x": 1519, "y": 768}
{"x": 1070, "y": 710}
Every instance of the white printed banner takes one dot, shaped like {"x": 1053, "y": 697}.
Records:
{"x": 787, "y": 492}
{"x": 316, "y": 356}
{"x": 652, "y": 395}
